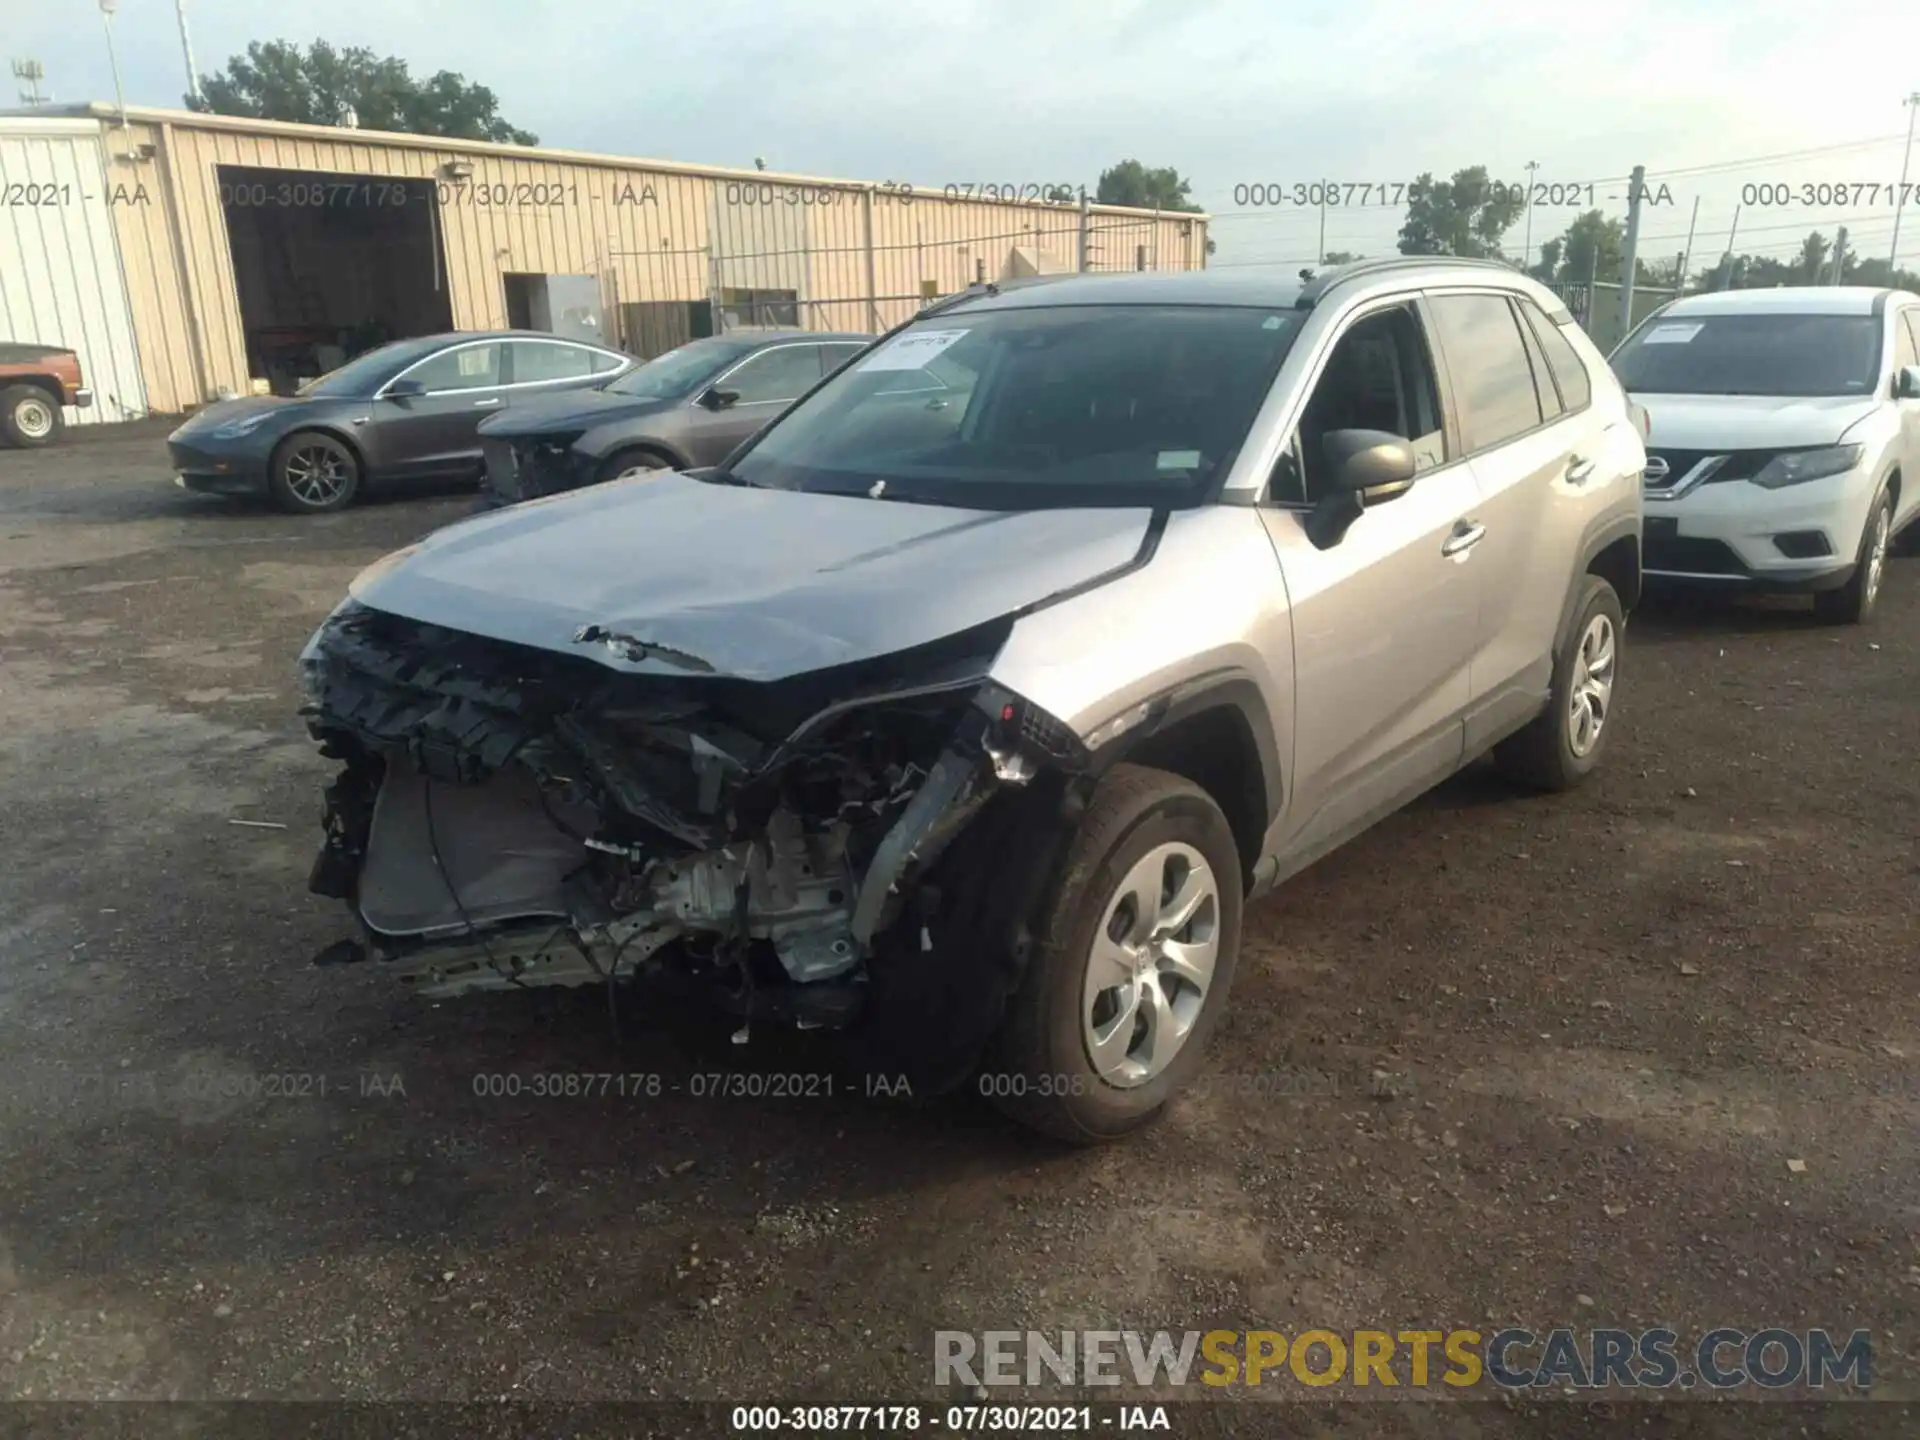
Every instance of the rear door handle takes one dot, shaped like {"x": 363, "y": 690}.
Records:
{"x": 1579, "y": 471}
{"x": 480, "y": 404}
{"x": 1465, "y": 536}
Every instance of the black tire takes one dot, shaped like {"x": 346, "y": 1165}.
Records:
{"x": 1547, "y": 755}
{"x": 312, "y": 473}
{"x": 622, "y": 461}
{"x": 30, "y": 416}
{"x": 1040, "y": 1071}
{"x": 1855, "y": 601}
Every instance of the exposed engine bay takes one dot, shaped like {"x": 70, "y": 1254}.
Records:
{"x": 509, "y": 817}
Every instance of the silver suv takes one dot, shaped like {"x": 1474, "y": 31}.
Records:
{"x": 964, "y": 708}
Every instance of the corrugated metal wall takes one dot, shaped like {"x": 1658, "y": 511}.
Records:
{"x": 60, "y": 277}
{"x": 649, "y": 232}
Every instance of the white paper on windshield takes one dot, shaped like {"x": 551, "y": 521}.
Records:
{"x": 911, "y": 352}
{"x": 1178, "y": 460}
{"x": 1672, "y": 334}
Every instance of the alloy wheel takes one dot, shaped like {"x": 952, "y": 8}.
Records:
{"x": 1591, "y": 694}
{"x": 1877, "y": 554}
{"x": 316, "y": 475}
{"x": 1152, "y": 964}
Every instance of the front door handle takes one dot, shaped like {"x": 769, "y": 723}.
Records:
{"x": 482, "y": 404}
{"x": 1580, "y": 470}
{"x": 1465, "y": 536}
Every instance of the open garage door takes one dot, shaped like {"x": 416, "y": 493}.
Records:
{"x": 328, "y": 265}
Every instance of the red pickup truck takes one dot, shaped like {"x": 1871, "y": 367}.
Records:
{"x": 35, "y": 381}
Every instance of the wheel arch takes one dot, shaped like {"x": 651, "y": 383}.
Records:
{"x": 332, "y": 432}
{"x": 1611, "y": 551}
{"x": 641, "y": 446}
{"x": 1218, "y": 733}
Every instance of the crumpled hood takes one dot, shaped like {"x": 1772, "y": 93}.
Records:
{"x": 570, "y": 410}
{"x": 758, "y": 584}
{"x": 1750, "y": 422}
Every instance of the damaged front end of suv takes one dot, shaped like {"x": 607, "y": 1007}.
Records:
{"x": 508, "y": 817}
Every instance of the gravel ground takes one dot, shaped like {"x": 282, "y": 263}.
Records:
{"x": 1648, "y": 1054}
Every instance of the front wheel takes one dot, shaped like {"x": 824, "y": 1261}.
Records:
{"x": 1565, "y": 741}
{"x": 629, "y": 464}
{"x": 1854, "y": 601}
{"x": 312, "y": 474}
{"x": 1138, "y": 946}
{"x": 29, "y": 416}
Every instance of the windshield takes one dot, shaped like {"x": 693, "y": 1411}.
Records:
{"x": 1752, "y": 355}
{"x": 678, "y": 372}
{"x": 362, "y": 374}
{"x": 1032, "y": 408}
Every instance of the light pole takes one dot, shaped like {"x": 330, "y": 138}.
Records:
{"x": 107, "y": 7}
{"x": 1912, "y": 102}
{"x": 1532, "y": 165}
{"x": 186, "y": 49}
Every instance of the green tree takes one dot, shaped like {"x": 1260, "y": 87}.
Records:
{"x": 1131, "y": 183}
{"x": 1547, "y": 267}
{"x": 1812, "y": 259}
{"x": 1592, "y": 248}
{"x": 321, "y": 85}
{"x": 1340, "y": 257}
{"x": 1466, "y": 215}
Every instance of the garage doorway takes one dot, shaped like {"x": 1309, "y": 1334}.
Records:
{"x": 328, "y": 265}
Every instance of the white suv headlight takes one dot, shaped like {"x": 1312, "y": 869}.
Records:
{"x": 1799, "y": 466}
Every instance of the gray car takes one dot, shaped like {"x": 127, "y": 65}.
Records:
{"x": 407, "y": 413}
{"x": 967, "y": 707}
{"x": 687, "y": 408}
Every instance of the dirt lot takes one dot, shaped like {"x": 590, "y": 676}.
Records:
{"x": 1502, "y": 1061}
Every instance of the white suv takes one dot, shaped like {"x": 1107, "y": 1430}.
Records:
{"x": 1784, "y": 444}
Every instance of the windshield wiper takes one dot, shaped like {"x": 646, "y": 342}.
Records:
{"x": 716, "y": 475}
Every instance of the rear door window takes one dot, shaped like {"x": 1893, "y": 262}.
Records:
{"x": 1569, "y": 374}
{"x": 1487, "y": 363}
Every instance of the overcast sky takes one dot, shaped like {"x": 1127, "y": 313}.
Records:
{"x": 1230, "y": 92}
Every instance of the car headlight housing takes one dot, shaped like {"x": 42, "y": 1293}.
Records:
{"x": 1796, "y": 467}
{"x": 245, "y": 425}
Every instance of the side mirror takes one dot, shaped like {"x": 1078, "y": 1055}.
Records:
{"x": 1367, "y": 467}
{"x": 717, "y": 399}
{"x": 1906, "y": 383}
{"x": 405, "y": 390}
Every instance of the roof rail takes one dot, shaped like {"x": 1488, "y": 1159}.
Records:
{"x": 1317, "y": 288}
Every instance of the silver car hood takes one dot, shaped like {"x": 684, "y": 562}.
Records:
{"x": 671, "y": 575}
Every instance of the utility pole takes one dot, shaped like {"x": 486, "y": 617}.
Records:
{"x": 1726, "y": 278}
{"x": 1631, "y": 258}
{"x": 107, "y": 7}
{"x": 1321, "y": 257}
{"x": 1839, "y": 254}
{"x": 1912, "y": 102}
{"x": 1680, "y": 280}
{"x": 186, "y": 49}
{"x": 1532, "y": 166}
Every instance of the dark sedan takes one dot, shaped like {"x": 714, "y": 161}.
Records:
{"x": 687, "y": 408}
{"x": 406, "y": 413}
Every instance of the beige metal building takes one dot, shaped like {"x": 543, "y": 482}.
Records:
{"x": 253, "y": 253}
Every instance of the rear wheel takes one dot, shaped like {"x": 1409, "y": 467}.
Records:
{"x": 1565, "y": 741}
{"x": 1138, "y": 946}
{"x": 312, "y": 473}
{"x": 29, "y": 416}
{"x": 1854, "y": 601}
